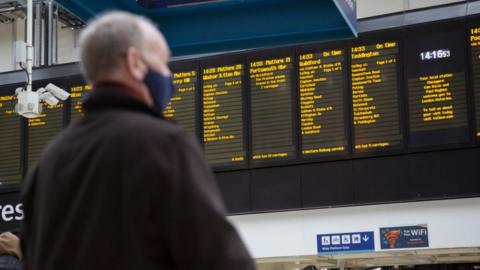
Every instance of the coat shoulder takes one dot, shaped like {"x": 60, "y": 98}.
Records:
{"x": 142, "y": 126}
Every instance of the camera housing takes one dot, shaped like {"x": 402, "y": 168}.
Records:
{"x": 28, "y": 105}
{"x": 29, "y": 102}
{"x": 47, "y": 97}
{"x": 57, "y": 91}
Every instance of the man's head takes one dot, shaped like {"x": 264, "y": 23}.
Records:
{"x": 121, "y": 47}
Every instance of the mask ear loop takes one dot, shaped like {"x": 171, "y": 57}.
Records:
{"x": 170, "y": 74}
{"x": 142, "y": 58}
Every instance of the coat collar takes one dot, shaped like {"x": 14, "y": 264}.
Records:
{"x": 115, "y": 96}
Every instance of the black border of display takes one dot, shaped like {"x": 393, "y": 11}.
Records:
{"x": 250, "y": 171}
{"x": 58, "y": 81}
{"x": 236, "y": 58}
{"x": 471, "y": 21}
{"x": 73, "y": 80}
{"x": 22, "y": 139}
{"x": 266, "y": 54}
{"x": 368, "y": 39}
{"x": 429, "y": 28}
{"x": 313, "y": 48}
{"x": 185, "y": 65}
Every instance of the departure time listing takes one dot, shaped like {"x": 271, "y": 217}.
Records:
{"x": 271, "y": 105}
{"x": 182, "y": 105}
{"x": 375, "y": 109}
{"x": 223, "y": 114}
{"x": 10, "y": 125}
{"x": 321, "y": 93}
{"x": 475, "y": 56}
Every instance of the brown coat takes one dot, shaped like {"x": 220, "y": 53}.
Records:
{"x": 122, "y": 188}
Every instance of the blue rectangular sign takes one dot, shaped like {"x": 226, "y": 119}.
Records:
{"x": 404, "y": 237}
{"x": 345, "y": 242}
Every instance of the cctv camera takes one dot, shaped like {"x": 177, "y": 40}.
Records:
{"x": 57, "y": 91}
{"x": 18, "y": 90}
{"x": 28, "y": 104}
{"x": 47, "y": 97}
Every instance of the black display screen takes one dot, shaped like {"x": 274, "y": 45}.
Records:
{"x": 375, "y": 96}
{"x": 182, "y": 105}
{"x": 332, "y": 100}
{"x": 223, "y": 114}
{"x": 42, "y": 129}
{"x": 331, "y": 124}
{"x": 475, "y": 60}
{"x": 10, "y": 137}
{"x": 435, "y": 73}
{"x": 78, "y": 89}
{"x": 271, "y": 96}
{"x": 321, "y": 82}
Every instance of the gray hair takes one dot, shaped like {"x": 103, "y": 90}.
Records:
{"x": 106, "y": 39}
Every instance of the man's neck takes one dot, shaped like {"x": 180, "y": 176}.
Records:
{"x": 124, "y": 88}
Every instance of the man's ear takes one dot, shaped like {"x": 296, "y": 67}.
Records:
{"x": 135, "y": 65}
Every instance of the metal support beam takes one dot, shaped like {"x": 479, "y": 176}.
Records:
{"x": 14, "y": 38}
{"x": 55, "y": 26}
{"x": 37, "y": 42}
{"x": 48, "y": 52}
{"x": 29, "y": 33}
{"x": 2, "y": 2}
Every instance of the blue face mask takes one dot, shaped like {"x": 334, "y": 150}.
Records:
{"x": 161, "y": 88}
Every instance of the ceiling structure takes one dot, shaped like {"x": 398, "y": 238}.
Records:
{"x": 11, "y": 10}
{"x": 200, "y": 26}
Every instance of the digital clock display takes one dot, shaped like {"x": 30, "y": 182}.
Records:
{"x": 435, "y": 54}
{"x": 437, "y": 98}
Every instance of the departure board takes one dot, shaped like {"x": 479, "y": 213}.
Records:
{"x": 10, "y": 137}
{"x": 436, "y": 88}
{"x": 42, "y": 129}
{"x": 182, "y": 105}
{"x": 475, "y": 58}
{"x": 375, "y": 98}
{"x": 322, "y": 110}
{"x": 223, "y": 117}
{"x": 271, "y": 109}
{"x": 77, "y": 93}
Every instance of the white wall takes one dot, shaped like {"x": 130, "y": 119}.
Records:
{"x": 451, "y": 224}
{"x": 414, "y": 4}
{"x": 67, "y": 49}
{"x": 68, "y": 52}
{"x": 6, "y": 47}
{"x": 369, "y": 8}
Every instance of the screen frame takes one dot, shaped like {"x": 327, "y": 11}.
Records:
{"x": 58, "y": 81}
{"x": 288, "y": 51}
{"x": 399, "y": 33}
{"x": 470, "y": 22}
{"x": 72, "y": 81}
{"x": 221, "y": 60}
{"x": 319, "y": 47}
{"x": 372, "y": 38}
{"x": 22, "y": 145}
{"x": 189, "y": 65}
{"x": 427, "y": 28}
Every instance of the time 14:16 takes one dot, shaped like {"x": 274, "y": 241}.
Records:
{"x": 435, "y": 54}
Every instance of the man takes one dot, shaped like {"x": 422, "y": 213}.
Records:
{"x": 121, "y": 188}
{"x": 10, "y": 253}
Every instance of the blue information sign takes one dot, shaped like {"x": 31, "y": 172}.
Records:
{"x": 404, "y": 237}
{"x": 345, "y": 242}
